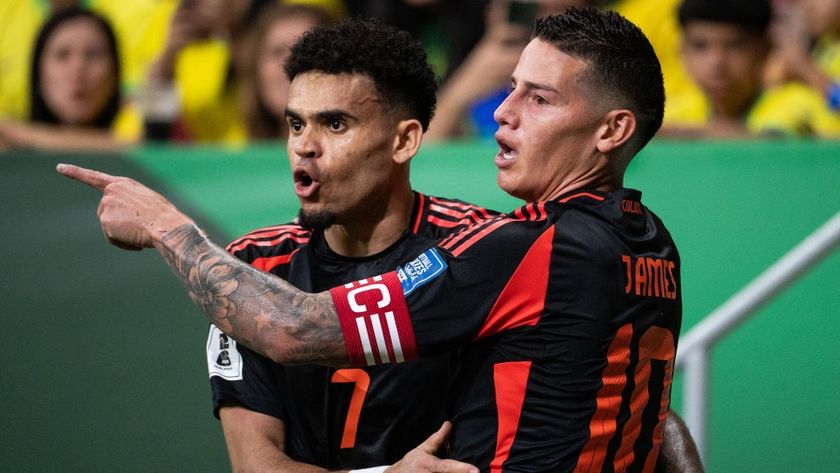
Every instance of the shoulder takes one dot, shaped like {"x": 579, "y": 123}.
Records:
{"x": 443, "y": 216}
{"x": 269, "y": 242}
{"x": 502, "y": 231}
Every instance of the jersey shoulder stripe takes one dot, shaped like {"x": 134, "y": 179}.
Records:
{"x": 270, "y": 236}
{"x": 463, "y": 240}
{"x": 448, "y": 214}
{"x": 267, "y": 263}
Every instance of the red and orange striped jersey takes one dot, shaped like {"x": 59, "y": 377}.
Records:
{"x": 347, "y": 418}
{"x": 565, "y": 315}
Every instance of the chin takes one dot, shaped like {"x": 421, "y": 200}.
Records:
{"x": 508, "y": 186}
{"x": 316, "y": 219}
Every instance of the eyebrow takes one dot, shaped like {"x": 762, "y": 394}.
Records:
{"x": 537, "y": 85}
{"x": 289, "y": 113}
{"x": 323, "y": 115}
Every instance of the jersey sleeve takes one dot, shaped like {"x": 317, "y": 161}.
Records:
{"x": 240, "y": 377}
{"x": 447, "y": 296}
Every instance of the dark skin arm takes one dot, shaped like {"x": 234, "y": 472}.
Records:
{"x": 678, "y": 453}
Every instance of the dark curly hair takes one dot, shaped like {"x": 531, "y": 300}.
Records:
{"x": 622, "y": 64}
{"x": 394, "y": 60}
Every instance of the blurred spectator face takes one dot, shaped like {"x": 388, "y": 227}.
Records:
{"x": 78, "y": 75}
{"x": 821, "y": 15}
{"x": 273, "y": 85}
{"x": 209, "y": 16}
{"x": 725, "y": 61}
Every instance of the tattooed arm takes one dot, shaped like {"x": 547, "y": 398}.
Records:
{"x": 263, "y": 312}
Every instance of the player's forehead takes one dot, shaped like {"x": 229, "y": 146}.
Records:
{"x": 543, "y": 65}
{"x": 315, "y": 91}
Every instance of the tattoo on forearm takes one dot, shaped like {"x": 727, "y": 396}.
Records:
{"x": 262, "y": 311}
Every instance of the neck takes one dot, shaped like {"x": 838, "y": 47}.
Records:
{"x": 603, "y": 176}
{"x": 374, "y": 228}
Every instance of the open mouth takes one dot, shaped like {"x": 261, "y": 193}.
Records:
{"x": 506, "y": 154}
{"x": 303, "y": 178}
{"x": 305, "y": 185}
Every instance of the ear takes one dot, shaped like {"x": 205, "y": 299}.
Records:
{"x": 407, "y": 141}
{"x": 616, "y": 129}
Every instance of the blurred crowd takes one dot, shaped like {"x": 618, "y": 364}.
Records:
{"x": 106, "y": 74}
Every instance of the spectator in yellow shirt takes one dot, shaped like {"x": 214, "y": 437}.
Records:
{"x": 134, "y": 23}
{"x": 196, "y": 81}
{"x": 725, "y": 46}
{"x": 807, "y": 46}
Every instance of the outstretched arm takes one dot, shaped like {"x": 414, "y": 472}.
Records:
{"x": 263, "y": 312}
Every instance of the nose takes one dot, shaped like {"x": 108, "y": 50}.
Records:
{"x": 505, "y": 113}
{"x": 717, "y": 60}
{"x": 76, "y": 66}
{"x": 304, "y": 144}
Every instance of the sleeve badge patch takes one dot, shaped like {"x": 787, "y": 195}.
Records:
{"x": 423, "y": 269}
{"x": 223, "y": 359}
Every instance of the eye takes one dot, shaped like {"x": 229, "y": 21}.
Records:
{"x": 336, "y": 125}
{"x": 295, "y": 125}
{"x": 61, "y": 54}
{"x": 539, "y": 100}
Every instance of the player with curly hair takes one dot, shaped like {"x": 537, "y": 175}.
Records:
{"x": 362, "y": 95}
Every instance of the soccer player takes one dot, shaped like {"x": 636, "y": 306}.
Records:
{"x": 362, "y": 95}
{"x": 567, "y": 310}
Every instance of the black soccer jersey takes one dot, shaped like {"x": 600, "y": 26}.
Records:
{"x": 346, "y": 418}
{"x": 568, "y": 312}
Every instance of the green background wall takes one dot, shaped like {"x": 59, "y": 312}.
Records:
{"x": 102, "y": 364}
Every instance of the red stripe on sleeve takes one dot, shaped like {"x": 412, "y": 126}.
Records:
{"x": 511, "y": 381}
{"x": 522, "y": 300}
{"x": 444, "y": 223}
{"x": 477, "y": 236}
{"x": 421, "y": 199}
{"x": 269, "y": 262}
{"x": 374, "y": 321}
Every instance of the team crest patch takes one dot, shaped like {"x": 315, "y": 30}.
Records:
{"x": 423, "y": 269}
{"x": 223, "y": 359}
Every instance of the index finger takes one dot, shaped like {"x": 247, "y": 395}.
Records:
{"x": 96, "y": 179}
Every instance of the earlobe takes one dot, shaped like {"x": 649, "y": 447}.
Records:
{"x": 407, "y": 141}
{"x": 617, "y": 129}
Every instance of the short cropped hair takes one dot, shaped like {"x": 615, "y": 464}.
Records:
{"x": 39, "y": 111}
{"x": 751, "y": 14}
{"x": 394, "y": 60}
{"x": 622, "y": 65}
